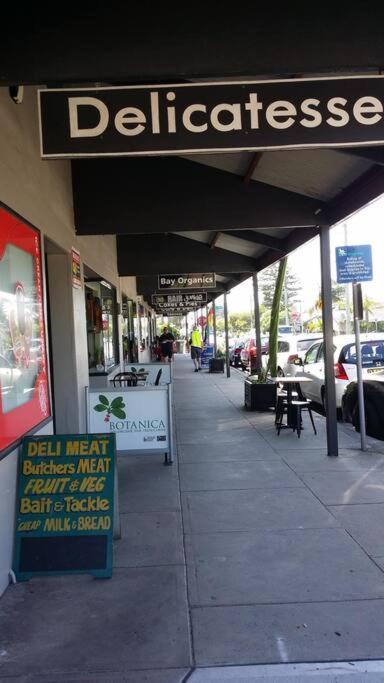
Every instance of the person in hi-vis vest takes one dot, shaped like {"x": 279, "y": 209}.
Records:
{"x": 196, "y": 344}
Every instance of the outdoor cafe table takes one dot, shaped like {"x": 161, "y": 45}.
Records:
{"x": 291, "y": 384}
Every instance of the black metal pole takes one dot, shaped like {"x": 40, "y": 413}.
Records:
{"x": 226, "y": 335}
{"x": 214, "y": 326}
{"x": 329, "y": 372}
{"x": 259, "y": 363}
{"x": 186, "y": 330}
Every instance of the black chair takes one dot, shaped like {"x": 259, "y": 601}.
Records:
{"x": 125, "y": 379}
{"x": 292, "y": 407}
{"x": 300, "y": 406}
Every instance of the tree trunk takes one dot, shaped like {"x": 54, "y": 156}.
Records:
{"x": 275, "y": 313}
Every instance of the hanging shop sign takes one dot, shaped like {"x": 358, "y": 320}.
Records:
{"x": 185, "y": 299}
{"x": 24, "y": 396}
{"x": 64, "y": 521}
{"x": 76, "y": 269}
{"x": 354, "y": 263}
{"x": 138, "y": 416}
{"x": 212, "y": 116}
{"x": 187, "y": 281}
{"x": 182, "y": 308}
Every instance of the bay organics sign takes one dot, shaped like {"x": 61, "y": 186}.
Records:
{"x": 167, "y": 119}
{"x": 187, "y": 281}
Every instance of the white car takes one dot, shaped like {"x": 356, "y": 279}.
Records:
{"x": 372, "y": 352}
{"x": 290, "y": 348}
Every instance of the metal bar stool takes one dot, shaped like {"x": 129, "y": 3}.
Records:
{"x": 300, "y": 406}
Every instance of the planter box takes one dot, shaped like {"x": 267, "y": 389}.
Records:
{"x": 259, "y": 396}
{"x": 216, "y": 365}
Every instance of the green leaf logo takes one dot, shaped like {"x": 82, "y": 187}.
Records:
{"x": 114, "y": 408}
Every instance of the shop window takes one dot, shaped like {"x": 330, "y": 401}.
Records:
{"x": 24, "y": 396}
{"x": 100, "y": 302}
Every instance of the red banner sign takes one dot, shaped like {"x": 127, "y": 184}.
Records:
{"x": 24, "y": 395}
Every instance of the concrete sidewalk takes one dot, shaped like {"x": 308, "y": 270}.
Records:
{"x": 275, "y": 556}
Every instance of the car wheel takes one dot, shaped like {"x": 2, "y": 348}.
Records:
{"x": 339, "y": 412}
{"x": 374, "y": 424}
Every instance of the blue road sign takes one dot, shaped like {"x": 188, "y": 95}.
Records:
{"x": 354, "y": 263}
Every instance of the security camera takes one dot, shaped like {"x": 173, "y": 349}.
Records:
{"x": 16, "y": 92}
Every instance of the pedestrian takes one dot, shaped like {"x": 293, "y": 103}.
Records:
{"x": 196, "y": 344}
{"x": 166, "y": 343}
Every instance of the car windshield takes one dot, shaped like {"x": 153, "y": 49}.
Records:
{"x": 372, "y": 353}
{"x": 304, "y": 344}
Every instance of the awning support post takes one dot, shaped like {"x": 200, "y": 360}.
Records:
{"x": 256, "y": 306}
{"x": 329, "y": 373}
{"x": 214, "y": 326}
{"x": 226, "y": 335}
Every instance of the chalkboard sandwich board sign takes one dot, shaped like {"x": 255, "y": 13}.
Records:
{"x": 64, "y": 516}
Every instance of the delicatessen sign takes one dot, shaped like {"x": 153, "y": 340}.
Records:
{"x": 64, "y": 517}
{"x": 211, "y": 116}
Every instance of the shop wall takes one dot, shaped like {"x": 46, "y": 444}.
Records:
{"x": 8, "y": 479}
{"x": 41, "y": 192}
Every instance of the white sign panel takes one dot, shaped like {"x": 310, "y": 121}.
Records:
{"x": 138, "y": 416}
{"x": 151, "y": 372}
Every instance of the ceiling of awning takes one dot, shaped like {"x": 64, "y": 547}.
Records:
{"x": 232, "y": 213}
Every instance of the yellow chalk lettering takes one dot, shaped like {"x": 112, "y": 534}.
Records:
{"x": 72, "y": 448}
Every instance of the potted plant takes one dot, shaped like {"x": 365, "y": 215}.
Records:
{"x": 259, "y": 388}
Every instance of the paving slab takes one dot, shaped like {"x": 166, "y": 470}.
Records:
{"x": 256, "y": 450}
{"x": 209, "y": 435}
{"x": 149, "y": 539}
{"x": 76, "y": 623}
{"x": 319, "y": 461}
{"x": 327, "y": 672}
{"x": 346, "y": 488}
{"x": 214, "y": 511}
{"x": 279, "y": 566}
{"x": 309, "y": 632}
{"x": 148, "y": 489}
{"x": 365, "y": 523}
{"x": 236, "y": 475}
{"x": 288, "y": 440}
{"x": 123, "y": 676}
{"x": 219, "y": 424}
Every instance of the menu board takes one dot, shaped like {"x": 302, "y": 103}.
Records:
{"x": 64, "y": 520}
{"x": 24, "y": 395}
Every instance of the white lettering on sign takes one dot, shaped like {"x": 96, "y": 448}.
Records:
{"x": 73, "y": 104}
{"x": 224, "y": 117}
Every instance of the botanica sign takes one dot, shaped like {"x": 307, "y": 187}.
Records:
{"x": 290, "y": 113}
{"x": 138, "y": 416}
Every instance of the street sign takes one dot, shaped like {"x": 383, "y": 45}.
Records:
{"x": 64, "y": 514}
{"x": 180, "y": 299}
{"x": 187, "y": 281}
{"x": 354, "y": 263}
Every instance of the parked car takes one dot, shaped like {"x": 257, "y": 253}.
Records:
{"x": 235, "y": 353}
{"x": 372, "y": 351}
{"x": 291, "y": 348}
{"x": 373, "y": 407}
{"x": 248, "y": 352}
